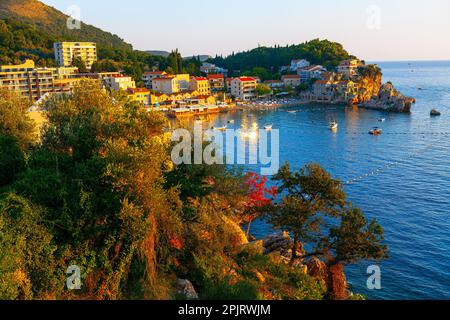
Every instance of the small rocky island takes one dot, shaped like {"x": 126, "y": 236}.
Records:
{"x": 360, "y": 84}
{"x": 389, "y": 99}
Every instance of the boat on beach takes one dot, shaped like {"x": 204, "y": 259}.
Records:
{"x": 224, "y": 128}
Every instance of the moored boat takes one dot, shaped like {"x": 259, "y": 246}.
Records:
{"x": 435, "y": 113}
{"x": 268, "y": 127}
{"x": 333, "y": 125}
{"x": 375, "y": 131}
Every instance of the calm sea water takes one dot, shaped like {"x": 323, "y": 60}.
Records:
{"x": 403, "y": 176}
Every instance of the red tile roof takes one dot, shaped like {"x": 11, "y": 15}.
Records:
{"x": 290, "y": 76}
{"x": 138, "y": 90}
{"x": 200, "y": 78}
{"x": 216, "y": 76}
{"x": 247, "y": 79}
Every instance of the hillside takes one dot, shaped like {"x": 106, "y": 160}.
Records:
{"x": 159, "y": 53}
{"x": 323, "y": 52}
{"x": 53, "y": 23}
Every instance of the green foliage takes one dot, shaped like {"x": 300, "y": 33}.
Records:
{"x": 323, "y": 52}
{"x": 175, "y": 62}
{"x": 14, "y": 121}
{"x": 80, "y": 64}
{"x": 260, "y": 72}
{"x": 27, "y": 266}
{"x": 315, "y": 210}
{"x": 371, "y": 71}
{"x": 262, "y": 90}
{"x": 12, "y": 160}
{"x": 356, "y": 239}
{"x": 105, "y": 65}
{"x": 223, "y": 290}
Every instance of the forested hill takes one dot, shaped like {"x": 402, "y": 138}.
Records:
{"x": 323, "y": 52}
{"x": 28, "y": 29}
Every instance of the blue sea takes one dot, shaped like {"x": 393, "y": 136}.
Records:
{"x": 401, "y": 178}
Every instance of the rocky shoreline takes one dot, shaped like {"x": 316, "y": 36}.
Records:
{"x": 389, "y": 99}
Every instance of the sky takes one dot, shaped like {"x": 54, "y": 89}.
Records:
{"x": 374, "y": 30}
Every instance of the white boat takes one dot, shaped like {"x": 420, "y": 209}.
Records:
{"x": 268, "y": 127}
{"x": 333, "y": 125}
{"x": 382, "y": 120}
{"x": 292, "y": 111}
{"x": 231, "y": 121}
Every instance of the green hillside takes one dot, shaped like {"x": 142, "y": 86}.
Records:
{"x": 28, "y": 29}
{"x": 323, "y": 52}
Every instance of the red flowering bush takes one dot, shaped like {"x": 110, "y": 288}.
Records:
{"x": 258, "y": 197}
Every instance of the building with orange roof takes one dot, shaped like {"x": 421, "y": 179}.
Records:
{"x": 216, "y": 82}
{"x": 140, "y": 95}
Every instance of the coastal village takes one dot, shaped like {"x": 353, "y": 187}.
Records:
{"x": 187, "y": 95}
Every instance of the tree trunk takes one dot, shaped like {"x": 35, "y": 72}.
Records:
{"x": 337, "y": 282}
{"x": 248, "y": 230}
{"x": 295, "y": 247}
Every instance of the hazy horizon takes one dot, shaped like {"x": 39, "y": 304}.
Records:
{"x": 377, "y": 30}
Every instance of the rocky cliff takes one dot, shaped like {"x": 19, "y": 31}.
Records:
{"x": 368, "y": 88}
{"x": 389, "y": 99}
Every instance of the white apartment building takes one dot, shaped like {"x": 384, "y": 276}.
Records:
{"x": 119, "y": 82}
{"x": 148, "y": 78}
{"x": 171, "y": 84}
{"x": 65, "y": 52}
{"x": 243, "y": 88}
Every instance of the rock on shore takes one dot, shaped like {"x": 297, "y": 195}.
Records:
{"x": 390, "y": 99}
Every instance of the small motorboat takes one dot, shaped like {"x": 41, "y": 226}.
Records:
{"x": 224, "y": 128}
{"x": 435, "y": 113}
{"x": 231, "y": 121}
{"x": 376, "y": 131}
{"x": 382, "y": 120}
{"x": 268, "y": 127}
{"x": 333, "y": 125}
{"x": 292, "y": 111}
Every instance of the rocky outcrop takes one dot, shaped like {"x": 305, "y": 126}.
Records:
{"x": 317, "y": 269}
{"x": 277, "y": 242}
{"x": 368, "y": 88}
{"x": 281, "y": 244}
{"x": 186, "y": 290}
{"x": 254, "y": 248}
{"x": 389, "y": 99}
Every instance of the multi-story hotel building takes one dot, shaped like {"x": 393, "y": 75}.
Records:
{"x": 65, "y": 52}
{"x": 33, "y": 83}
{"x": 243, "y": 88}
